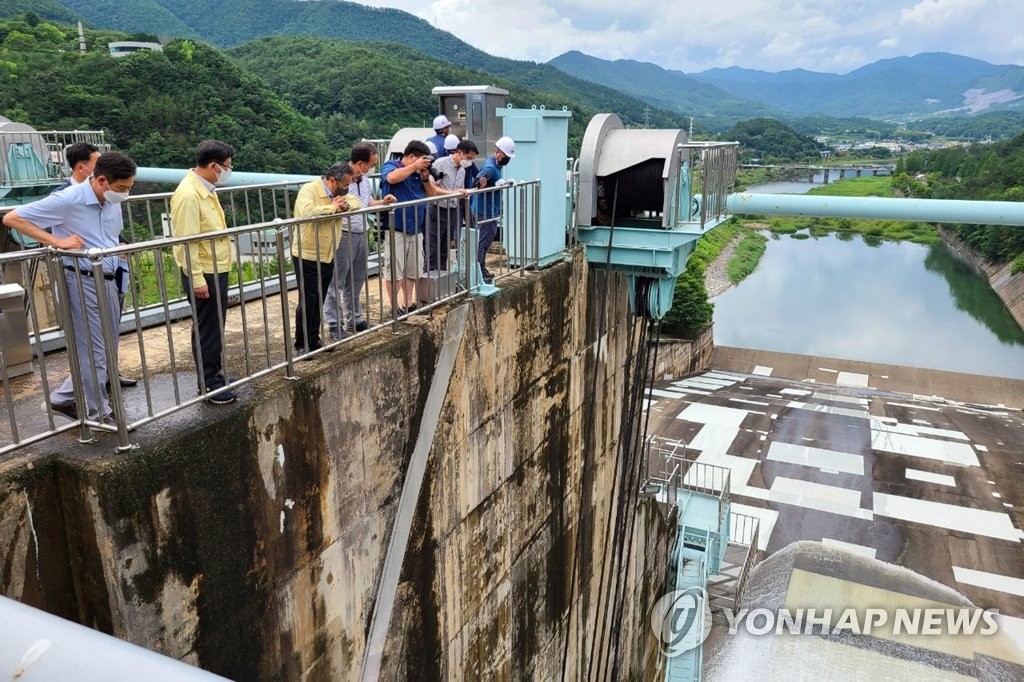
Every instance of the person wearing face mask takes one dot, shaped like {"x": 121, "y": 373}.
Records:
{"x": 487, "y": 206}
{"x": 313, "y": 247}
{"x": 205, "y": 264}
{"x": 443, "y": 218}
{"x": 351, "y": 257}
{"x": 81, "y": 158}
{"x": 84, "y": 216}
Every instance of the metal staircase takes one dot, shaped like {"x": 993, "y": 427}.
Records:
{"x": 714, "y": 548}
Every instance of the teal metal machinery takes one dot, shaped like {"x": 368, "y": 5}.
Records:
{"x": 32, "y": 162}
{"x": 541, "y": 136}
{"x": 645, "y": 198}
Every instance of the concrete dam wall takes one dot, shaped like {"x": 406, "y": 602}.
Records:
{"x": 250, "y": 540}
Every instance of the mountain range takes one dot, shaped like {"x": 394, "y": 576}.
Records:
{"x": 902, "y": 88}
{"x": 899, "y": 89}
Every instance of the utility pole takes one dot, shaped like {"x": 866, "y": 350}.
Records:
{"x": 689, "y": 135}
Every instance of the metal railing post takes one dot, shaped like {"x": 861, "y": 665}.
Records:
{"x": 55, "y": 265}
{"x": 282, "y": 278}
{"x": 110, "y": 338}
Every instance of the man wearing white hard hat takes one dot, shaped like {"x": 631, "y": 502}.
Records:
{"x": 442, "y": 126}
{"x": 487, "y": 206}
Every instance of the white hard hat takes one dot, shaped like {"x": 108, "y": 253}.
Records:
{"x": 432, "y": 147}
{"x": 441, "y": 122}
{"x": 507, "y": 146}
{"x": 451, "y": 142}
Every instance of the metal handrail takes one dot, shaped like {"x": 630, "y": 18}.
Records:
{"x": 155, "y": 276}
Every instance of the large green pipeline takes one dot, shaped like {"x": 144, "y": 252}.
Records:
{"x": 920, "y": 210}
{"x": 172, "y": 176}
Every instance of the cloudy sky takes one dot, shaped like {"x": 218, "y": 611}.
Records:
{"x": 693, "y": 35}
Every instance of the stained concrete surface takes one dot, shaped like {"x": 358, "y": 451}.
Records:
{"x": 925, "y": 482}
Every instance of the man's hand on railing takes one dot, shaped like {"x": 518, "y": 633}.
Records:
{"x": 72, "y": 242}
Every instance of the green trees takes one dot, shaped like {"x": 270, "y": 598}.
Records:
{"x": 771, "y": 141}
{"x": 155, "y": 106}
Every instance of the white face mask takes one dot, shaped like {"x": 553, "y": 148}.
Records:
{"x": 466, "y": 163}
{"x": 115, "y": 197}
{"x": 223, "y": 176}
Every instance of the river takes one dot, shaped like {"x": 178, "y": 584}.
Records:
{"x": 897, "y": 303}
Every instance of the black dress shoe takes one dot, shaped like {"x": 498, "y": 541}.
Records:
{"x": 125, "y": 382}
{"x": 362, "y": 326}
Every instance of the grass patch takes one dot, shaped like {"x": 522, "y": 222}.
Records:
{"x": 867, "y": 186}
{"x": 746, "y": 256}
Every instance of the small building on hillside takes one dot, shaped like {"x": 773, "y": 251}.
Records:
{"x": 125, "y": 47}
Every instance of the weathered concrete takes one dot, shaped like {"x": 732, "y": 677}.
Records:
{"x": 248, "y": 540}
{"x": 1009, "y": 287}
{"x": 683, "y": 357}
{"x": 973, "y": 388}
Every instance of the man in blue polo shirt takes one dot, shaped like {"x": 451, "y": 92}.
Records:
{"x": 408, "y": 179}
{"x": 487, "y": 206}
{"x": 84, "y": 216}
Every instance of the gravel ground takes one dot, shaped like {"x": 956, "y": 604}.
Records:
{"x": 715, "y": 277}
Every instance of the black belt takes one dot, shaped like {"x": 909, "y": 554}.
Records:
{"x": 88, "y": 273}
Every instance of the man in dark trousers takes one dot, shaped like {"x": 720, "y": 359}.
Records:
{"x": 205, "y": 264}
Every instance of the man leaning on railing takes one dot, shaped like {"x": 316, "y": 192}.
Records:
{"x": 313, "y": 248}
{"x": 87, "y": 215}
{"x": 205, "y": 264}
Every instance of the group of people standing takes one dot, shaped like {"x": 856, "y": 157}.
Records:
{"x": 328, "y": 257}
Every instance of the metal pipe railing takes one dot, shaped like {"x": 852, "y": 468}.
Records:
{"x": 154, "y": 291}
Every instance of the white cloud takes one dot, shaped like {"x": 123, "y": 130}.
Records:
{"x": 820, "y": 35}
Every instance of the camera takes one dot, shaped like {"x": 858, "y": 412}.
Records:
{"x": 435, "y": 173}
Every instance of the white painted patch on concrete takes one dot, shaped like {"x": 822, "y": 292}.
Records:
{"x": 997, "y": 495}
{"x": 980, "y": 448}
{"x": 868, "y": 552}
{"x": 827, "y": 369}
{"x": 762, "y": 371}
{"x": 834, "y": 397}
{"x": 949, "y": 516}
{"x": 749, "y": 402}
{"x": 852, "y": 379}
{"x": 917, "y": 407}
{"x": 659, "y": 393}
{"x": 282, "y": 521}
{"x": 929, "y": 477}
{"x": 648, "y": 404}
{"x": 713, "y": 414}
{"x": 712, "y": 378}
{"x": 828, "y": 409}
{"x": 290, "y": 503}
{"x": 794, "y": 391}
{"x": 819, "y": 458}
{"x": 280, "y": 455}
{"x": 826, "y": 498}
{"x": 893, "y": 426}
{"x": 927, "y": 448}
{"x": 989, "y": 581}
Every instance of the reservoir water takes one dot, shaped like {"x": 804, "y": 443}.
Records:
{"x": 897, "y": 303}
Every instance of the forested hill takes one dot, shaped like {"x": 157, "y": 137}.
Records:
{"x": 769, "y": 141}
{"x": 230, "y": 23}
{"x": 154, "y": 105}
{"x": 357, "y": 90}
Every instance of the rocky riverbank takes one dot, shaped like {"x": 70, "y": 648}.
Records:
{"x": 1009, "y": 287}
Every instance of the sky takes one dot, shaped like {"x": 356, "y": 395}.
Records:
{"x": 772, "y": 35}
